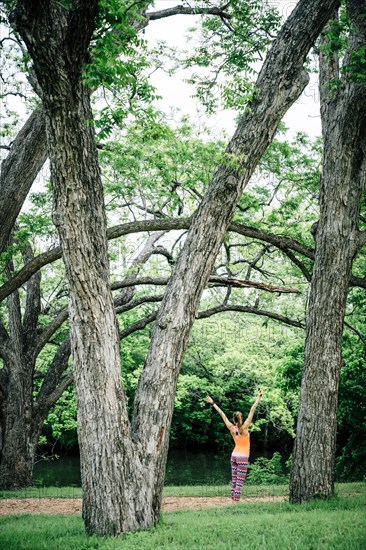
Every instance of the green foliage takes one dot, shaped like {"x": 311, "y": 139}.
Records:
{"x": 118, "y": 67}
{"x": 336, "y": 35}
{"x": 267, "y": 471}
{"x": 352, "y": 405}
{"x": 61, "y": 423}
{"x": 337, "y": 41}
{"x": 229, "y": 359}
{"x": 154, "y": 162}
{"x": 282, "y": 193}
{"x": 229, "y": 48}
{"x": 356, "y": 68}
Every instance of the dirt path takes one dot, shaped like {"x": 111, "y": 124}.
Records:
{"x": 65, "y": 506}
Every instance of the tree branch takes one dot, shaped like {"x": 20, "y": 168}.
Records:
{"x": 187, "y": 10}
{"x": 43, "y": 406}
{"x": 147, "y": 225}
{"x": 291, "y": 256}
{"x": 138, "y": 325}
{"x": 138, "y": 302}
{"x": 50, "y": 330}
{"x": 216, "y": 280}
{"x": 4, "y": 340}
{"x": 33, "y": 301}
{"x": 357, "y": 332}
{"x": 249, "y": 309}
{"x": 52, "y": 379}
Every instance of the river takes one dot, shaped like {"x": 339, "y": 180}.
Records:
{"x": 183, "y": 468}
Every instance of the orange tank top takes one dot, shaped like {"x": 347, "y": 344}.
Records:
{"x": 242, "y": 443}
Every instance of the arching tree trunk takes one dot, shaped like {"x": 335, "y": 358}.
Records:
{"x": 337, "y": 242}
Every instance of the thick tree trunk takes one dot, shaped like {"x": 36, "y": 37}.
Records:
{"x": 19, "y": 431}
{"x": 107, "y": 463}
{"x": 20, "y": 435}
{"x": 114, "y": 499}
{"x": 342, "y": 186}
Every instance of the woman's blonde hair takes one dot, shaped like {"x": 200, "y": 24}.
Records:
{"x": 238, "y": 419}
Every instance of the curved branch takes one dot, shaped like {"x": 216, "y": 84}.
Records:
{"x": 52, "y": 379}
{"x": 214, "y": 279}
{"x": 50, "y": 330}
{"x": 138, "y": 302}
{"x": 187, "y": 10}
{"x": 357, "y": 332}
{"x": 44, "y": 406}
{"x": 249, "y": 309}
{"x": 291, "y": 256}
{"x": 139, "y": 325}
{"x": 28, "y": 270}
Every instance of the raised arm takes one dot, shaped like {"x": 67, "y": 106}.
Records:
{"x": 252, "y": 410}
{"x": 228, "y": 424}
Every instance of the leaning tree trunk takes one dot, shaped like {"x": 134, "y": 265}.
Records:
{"x": 28, "y": 150}
{"x": 337, "y": 236}
{"x": 123, "y": 477}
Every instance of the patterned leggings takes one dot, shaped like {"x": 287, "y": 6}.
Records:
{"x": 239, "y": 468}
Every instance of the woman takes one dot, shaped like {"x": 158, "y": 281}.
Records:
{"x": 240, "y": 455}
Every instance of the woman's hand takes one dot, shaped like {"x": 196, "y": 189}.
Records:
{"x": 209, "y": 399}
{"x": 260, "y": 393}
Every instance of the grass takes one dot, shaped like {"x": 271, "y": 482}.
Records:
{"x": 342, "y": 489}
{"x": 339, "y": 523}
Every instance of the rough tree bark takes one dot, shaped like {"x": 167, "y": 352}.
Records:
{"x": 27, "y": 155}
{"x": 337, "y": 242}
{"x": 21, "y": 415}
{"x": 123, "y": 472}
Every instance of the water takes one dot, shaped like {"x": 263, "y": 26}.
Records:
{"x": 183, "y": 468}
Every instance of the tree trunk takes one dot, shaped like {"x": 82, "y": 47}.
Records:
{"x": 28, "y": 150}
{"x": 19, "y": 432}
{"x": 342, "y": 186}
{"x": 19, "y": 438}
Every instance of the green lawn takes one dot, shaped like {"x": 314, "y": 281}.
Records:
{"x": 339, "y": 523}
{"x": 342, "y": 489}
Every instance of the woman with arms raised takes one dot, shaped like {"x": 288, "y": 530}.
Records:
{"x": 240, "y": 455}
